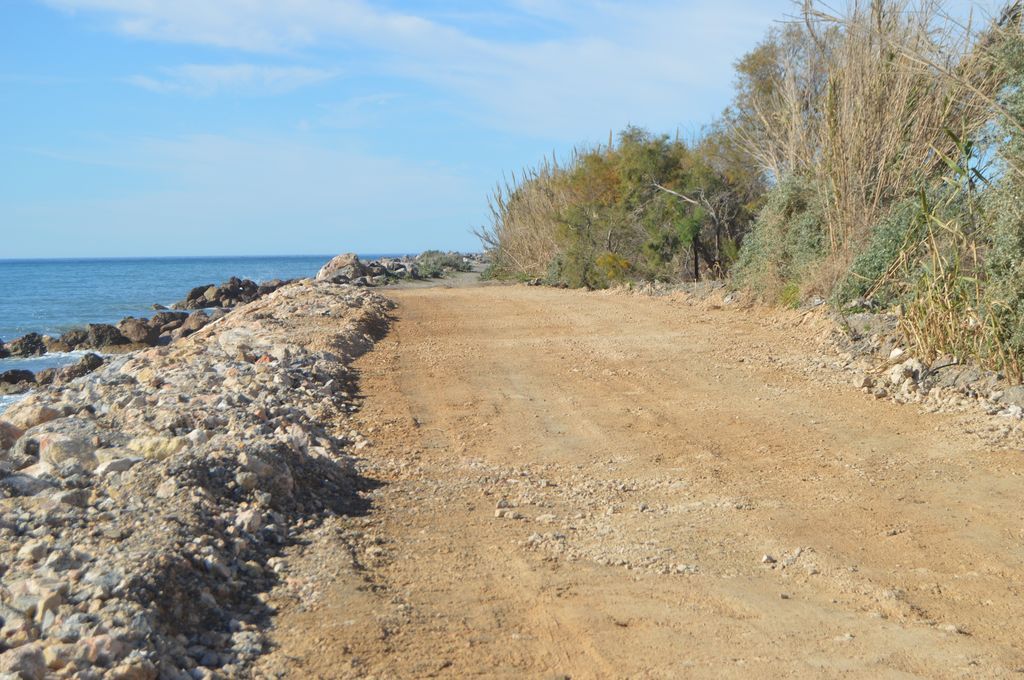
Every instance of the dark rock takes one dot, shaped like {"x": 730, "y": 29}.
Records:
{"x": 268, "y": 287}
{"x": 198, "y": 293}
{"x": 238, "y": 290}
{"x": 158, "y": 308}
{"x": 29, "y": 345}
{"x": 74, "y": 338}
{"x": 89, "y": 363}
{"x": 168, "y": 321}
{"x": 104, "y": 335}
{"x": 193, "y": 323}
{"x": 17, "y": 376}
{"x": 234, "y": 291}
{"x": 3, "y": 350}
{"x": 139, "y": 331}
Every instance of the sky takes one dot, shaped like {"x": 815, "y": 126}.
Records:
{"x": 262, "y": 127}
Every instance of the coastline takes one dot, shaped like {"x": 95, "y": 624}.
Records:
{"x": 144, "y": 501}
{"x": 36, "y": 359}
{"x": 235, "y": 432}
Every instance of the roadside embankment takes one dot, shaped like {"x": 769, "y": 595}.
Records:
{"x": 142, "y": 506}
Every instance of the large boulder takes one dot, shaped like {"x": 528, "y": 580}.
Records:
{"x": 28, "y": 414}
{"x": 138, "y": 331}
{"x": 236, "y": 291}
{"x": 76, "y": 337}
{"x": 104, "y": 335}
{"x": 168, "y": 321}
{"x": 193, "y": 323}
{"x": 25, "y": 662}
{"x": 16, "y": 381}
{"x": 62, "y": 441}
{"x": 342, "y": 268}
{"x": 29, "y": 345}
{"x": 16, "y": 376}
{"x": 199, "y": 292}
{"x": 9, "y": 434}
{"x": 86, "y": 365}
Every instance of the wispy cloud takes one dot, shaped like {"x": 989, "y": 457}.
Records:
{"x": 595, "y": 65}
{"x": 208, "y": 79}
{"x": 259, "y": 26}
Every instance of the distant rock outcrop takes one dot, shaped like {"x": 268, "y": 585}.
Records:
{"x": 231, "y": 293}
{"x": 28, "y": 345}
{"x": 342, "y": 269}
{"x": 348, "y": 268}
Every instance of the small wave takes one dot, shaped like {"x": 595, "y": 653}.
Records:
{"x": 7, "y": 399}
{"x": 36, "y": 364}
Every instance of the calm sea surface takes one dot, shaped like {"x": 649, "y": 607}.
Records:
{"x": 52, "y": 296}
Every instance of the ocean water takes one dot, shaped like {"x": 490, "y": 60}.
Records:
{"x": 52, "y": 296}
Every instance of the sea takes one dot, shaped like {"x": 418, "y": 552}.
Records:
{"x": 53, "y": 296}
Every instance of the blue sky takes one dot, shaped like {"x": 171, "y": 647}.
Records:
{"x": 210, "y": 127}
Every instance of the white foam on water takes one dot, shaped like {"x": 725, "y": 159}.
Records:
{"x": 36, "y": 364}
{"x": 7, "y": 399}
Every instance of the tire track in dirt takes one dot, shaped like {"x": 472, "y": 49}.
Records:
{"x": 647, "y": 457}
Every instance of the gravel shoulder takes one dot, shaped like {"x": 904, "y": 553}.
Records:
{"x": 598, "y": 485}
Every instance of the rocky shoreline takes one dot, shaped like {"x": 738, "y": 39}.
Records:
{"x": 200, "y": 306}
{"x": 142, "y": 505}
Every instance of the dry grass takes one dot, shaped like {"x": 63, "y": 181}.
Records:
{"x": 522, "y": 235}
{"x": 863, "y": 106}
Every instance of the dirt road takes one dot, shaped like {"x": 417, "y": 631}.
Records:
{"x": 677, "y": 498}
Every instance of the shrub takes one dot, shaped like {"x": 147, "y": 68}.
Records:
{"x": 785, "y": 241}
{"x": 614, "y": 268}
{"x": 435, "y": 264}
{"x": 671, "y": 210}
{"x": 876, "y": 271}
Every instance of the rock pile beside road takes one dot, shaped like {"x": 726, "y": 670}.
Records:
{"x": 231, "y": 293}
{"x": 142, "y": 506}
{"x": 348, "y": 268}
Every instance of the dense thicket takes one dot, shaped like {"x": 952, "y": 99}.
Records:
{"x": 875, "y": 154}
{"x": 644, "y": 206}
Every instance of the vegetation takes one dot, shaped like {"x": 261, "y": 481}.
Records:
{"x": 435, "y": 264}
{"x": 643, "y": 207}
{"x": 875, "y": 155}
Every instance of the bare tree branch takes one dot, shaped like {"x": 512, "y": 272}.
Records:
{"x": 676, "y": 194}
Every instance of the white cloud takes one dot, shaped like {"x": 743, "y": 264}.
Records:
{"x": 257, "y": 25}
{"x": 207, "y": 79}
{"x": 571, "y": 69}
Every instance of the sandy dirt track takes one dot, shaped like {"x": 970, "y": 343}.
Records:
{"x": 677, "y": 498}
